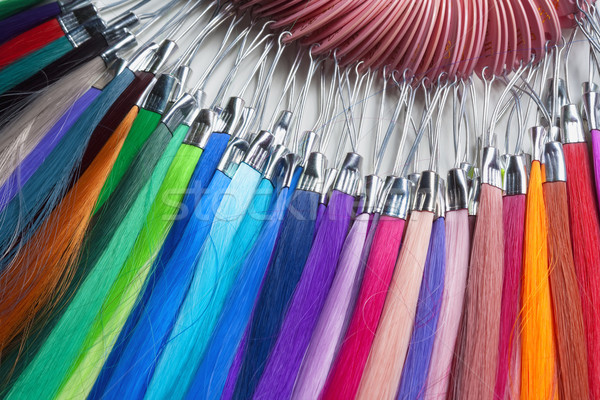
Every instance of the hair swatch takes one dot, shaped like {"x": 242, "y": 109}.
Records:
{"x": 347, "y": 370}
{"x": 292, "y": 250}
{"x": 35, "y": 280}
{"x": 334, "y": 318}
{"x": 508, "y": 380}
{"x": 457, "y": 268}
{"x": 413, "y": 383}
{"x": 585, "y": 237}
{"x": 476, "y": 368}
{"x": 286, "y": 356}
{"x": 572, "y": 356}
{"x": 538, "y": 355}
{"x": 383, "y": 369}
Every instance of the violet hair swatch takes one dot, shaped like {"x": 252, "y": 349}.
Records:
{"x": 282, "y": 367}
{"x": 32, "y": 162}
{"x": 416, "y": 367}
{"x": 333, "y": 320}
{"x": 514, "y": 225}
{"x": 26, "y": 20}
{"x": 457, "y": 267}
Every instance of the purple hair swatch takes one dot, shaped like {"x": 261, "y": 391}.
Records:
{"x": 284, "y": 362}
{"x": 416, "y": 367}
{"x": 32, "y": 162}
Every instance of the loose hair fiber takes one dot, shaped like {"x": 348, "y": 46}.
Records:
{"x": 41, "y": 273}
{"x": 507, "y": 378}
{"x": 585, "y": 237}
{"x": 381, "y": 376}
{"x": 572, "y": 356}
{"x": 476, "y": 369}
{"x": 457, "y": 268}
{"x": 347, "y": 369}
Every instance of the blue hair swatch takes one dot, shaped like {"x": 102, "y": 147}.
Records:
{"x": 416, "y": 367}
{"x": 212, "y": 372}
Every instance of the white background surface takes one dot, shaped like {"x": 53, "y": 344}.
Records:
{"x": 578, "y": 64}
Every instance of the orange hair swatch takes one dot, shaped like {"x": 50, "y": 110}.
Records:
{"x": 538, "y": 355}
